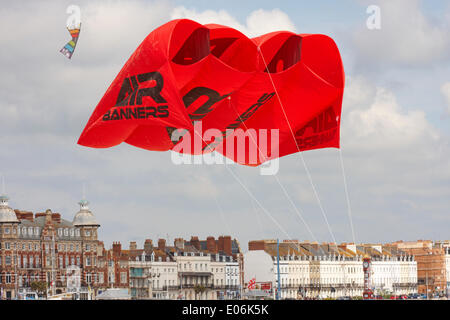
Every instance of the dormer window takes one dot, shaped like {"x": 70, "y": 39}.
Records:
{"x": 77, "y": 232}
{"x": 30, "y": 231}
{"x": 71, "y": 232}
{"x": 87, "y": 233}
{"x": 36, "y": 231}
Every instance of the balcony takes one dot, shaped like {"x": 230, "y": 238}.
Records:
{"x": 164, "y": 288}
{"x": 192, "y": 286}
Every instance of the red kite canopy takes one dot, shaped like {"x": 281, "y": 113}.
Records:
{"x": 185, "y": 73}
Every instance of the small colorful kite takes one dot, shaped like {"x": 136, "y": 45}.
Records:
{"x": 69, "y": 48}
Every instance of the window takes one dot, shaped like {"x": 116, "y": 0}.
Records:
{"x": 66, "y": 232}
{"x": 7, "y": 231}
{"x": 60, "y": 232}
{"x": 67, "y": 260}
{"x": 71, "y": 232}
{"x": 8, "y": 278}
{"x": 88, "y": 247}
{"x": 7, "y": 246}
{"x": 31, "y": 261}
{"x": 123, "y": 277}
{"x": 36, "y": 231}
{"x": 78, "y": 261}
{"x": 88, "y": 233}
{"x": 8, "y": 260}
{"x": 101, "y": 277}
{"x": 71, "y": 247}
{"x": 88, "y": 278}
{"x": 88, "y": 261}
{"x": 77, "y": 232}
{"x": 24, "y": 231}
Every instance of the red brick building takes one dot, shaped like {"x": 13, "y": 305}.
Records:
{"x": 431, "y": 265}
{"x": 113, "y": 270}
{"x": 41, "y": 247}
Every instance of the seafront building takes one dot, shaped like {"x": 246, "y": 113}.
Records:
{"x": 67, "y": 256}
{"x": 191, "y": 270}
{"x": 43, "y": 247}
{"x": 327, "y": 270}
{"x": 433, "y": 263}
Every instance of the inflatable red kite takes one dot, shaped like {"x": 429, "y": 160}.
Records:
{"x": 211, "y": 82}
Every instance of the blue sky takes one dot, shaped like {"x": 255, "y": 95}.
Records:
{"x": 395, "y": 135}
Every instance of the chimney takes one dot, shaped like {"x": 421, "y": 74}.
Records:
{"x": 133, "y": 245}
{"x": 162, "y": 244}
{"x": 148, "y": 246}
{"x": 179, "y": 243}
{"x": 211, "y": 244}
{"x": 56, "y": 217}
{"x": 24, "y": 215}
{"x": 227, "y": 245}
{"x": 195, "y": 242}
{"x": 117, "y": 248}
{"x": 220, "y": 244}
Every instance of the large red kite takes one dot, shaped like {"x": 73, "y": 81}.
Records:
{"x": 184, "y": 74}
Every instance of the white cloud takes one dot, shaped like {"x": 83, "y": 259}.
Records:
{"x": 445, "y": 89}
{"x": 257, "y": 23}
{"x": 406, "y": 37}
{"x": 381, "y": 123}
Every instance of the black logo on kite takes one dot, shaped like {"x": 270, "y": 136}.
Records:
{"x": 132, "y": 93}
{"x": 240, "y": 119}
{"x": 323, "y": 127}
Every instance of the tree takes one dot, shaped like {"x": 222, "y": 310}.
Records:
{"x": 40, "y": 287}
{"x": 198, "y": 289}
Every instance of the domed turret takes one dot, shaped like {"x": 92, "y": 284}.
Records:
{"x": 7, "y": 215}
{"x": 84, "y": 217}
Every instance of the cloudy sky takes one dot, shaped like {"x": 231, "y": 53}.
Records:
{"x": 395, "y": 126}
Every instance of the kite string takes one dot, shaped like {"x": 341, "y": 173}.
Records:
{"x": 253, "y": 197}
{"x": 298, "y": 149}
{"x": 297, "y": 211}
{"x": 347, "y": 196}
{"x": 258, "y": 218}
{"x": 222, "y": 216}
